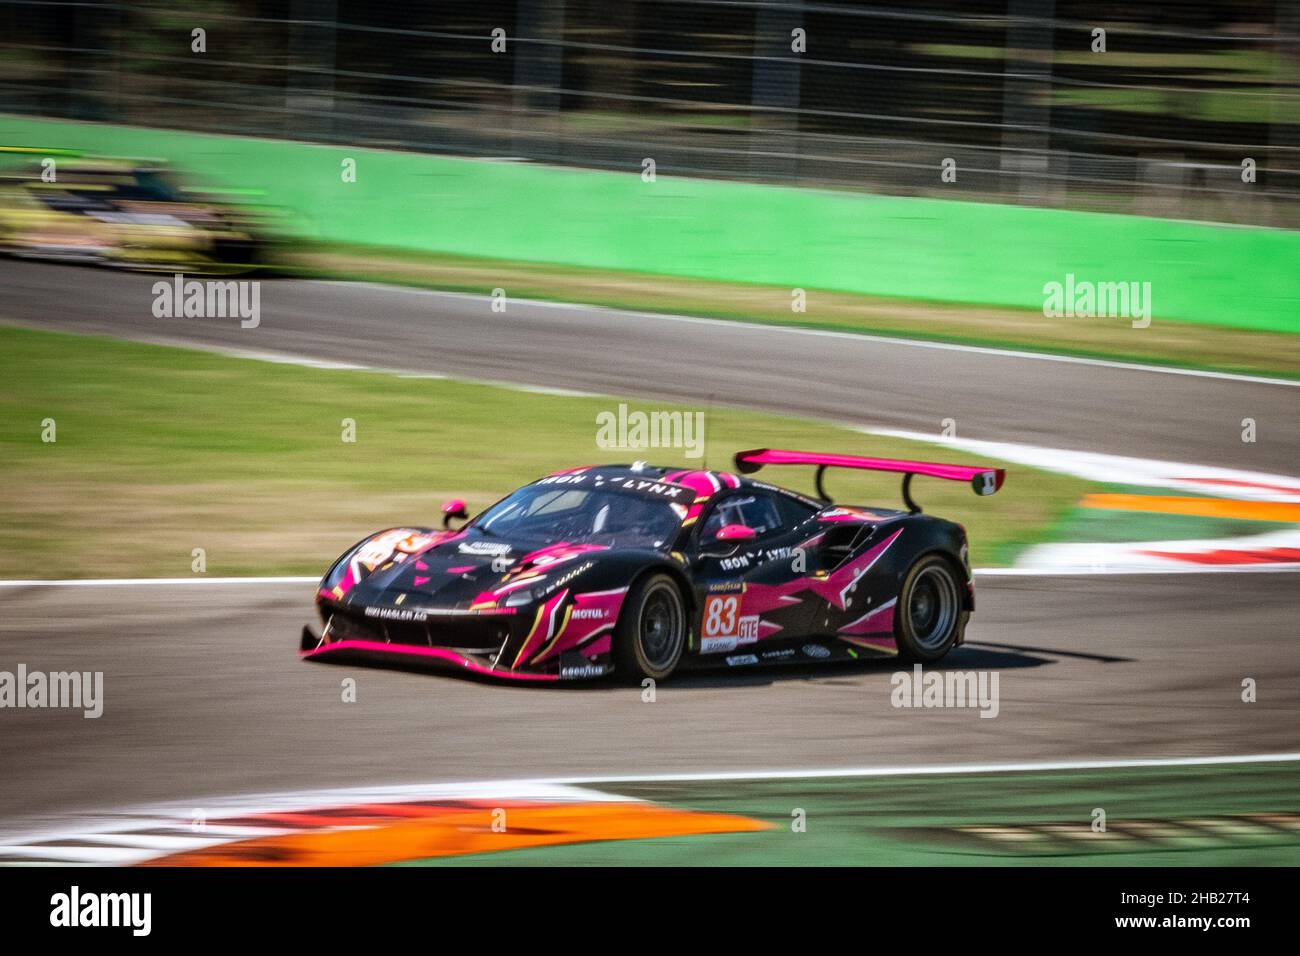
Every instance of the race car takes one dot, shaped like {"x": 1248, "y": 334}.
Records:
{"x": 126, "y": 214}
{"x": 640, "y": 571}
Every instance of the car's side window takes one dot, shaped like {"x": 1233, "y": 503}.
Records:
{"x": 757, "y": 510}
{"x": 565, "y": 500}
{"x": 793, "y": 511}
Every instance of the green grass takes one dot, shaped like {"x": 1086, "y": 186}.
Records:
{"x": 163, "y": 450}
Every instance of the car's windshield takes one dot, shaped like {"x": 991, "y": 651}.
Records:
{"x": 549, "y": 514}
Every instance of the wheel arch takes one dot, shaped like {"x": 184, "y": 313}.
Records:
{"x": 958, "y": 566}
{"x": 684, "y": 584}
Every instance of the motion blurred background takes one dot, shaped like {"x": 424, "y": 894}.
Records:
{"x": 928, "y": 171}
{"x": 500, "y": 148}
{"x": 883, "y": 91}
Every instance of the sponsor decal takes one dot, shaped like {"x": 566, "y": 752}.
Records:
{"x": 846, "y": 514}
{"x": 413, "y": 542}
{"x": 655, "y": 489}
{"x": 484, "y": 547}
{"x": 397, "y": 614}
{"x": 817, "y": 651}
{"x": 717, "y": 645}
{"x": 778, "y": 654}
{"x": 589, "y": 613}
{"x": 583, "y": 670}
{"x": 745, "y": 559}
{"x": 577, "y": 479}
{"x": 395, "y": 544}
{"x": 737, "y": 660}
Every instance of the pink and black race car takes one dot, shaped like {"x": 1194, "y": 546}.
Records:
{"x": 640, "y": 571}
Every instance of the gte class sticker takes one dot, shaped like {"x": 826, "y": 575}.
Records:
{"x": 724, "y": 628}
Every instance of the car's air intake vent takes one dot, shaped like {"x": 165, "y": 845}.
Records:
{"x": 466, "y": 634}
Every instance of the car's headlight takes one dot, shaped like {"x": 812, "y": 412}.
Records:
{"x": 521, "y": 597}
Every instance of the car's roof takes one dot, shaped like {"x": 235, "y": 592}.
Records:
{"x": 718, "y": 480}
{"x": 706, "y": 484}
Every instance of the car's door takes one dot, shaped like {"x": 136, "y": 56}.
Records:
{"x": 749, "y": 588}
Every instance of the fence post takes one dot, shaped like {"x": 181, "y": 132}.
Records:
{"x": 775, "y": 84}
{"x": 1025, "y": 135}
{"x": 1284, "y": 113}
{"x": 309, "y": 98}
{"x": 538, "y": 74}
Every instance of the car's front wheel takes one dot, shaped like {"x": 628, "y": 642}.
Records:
{"x": 651, "y": 632}
{"x": 929, "y": 617}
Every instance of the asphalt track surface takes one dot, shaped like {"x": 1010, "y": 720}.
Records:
{"x": 204, "y": 695}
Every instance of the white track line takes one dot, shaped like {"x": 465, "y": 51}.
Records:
{"x": 856, "y": 336}
{"x": 1279, "y": 568}
{"x": 929, "y": 769}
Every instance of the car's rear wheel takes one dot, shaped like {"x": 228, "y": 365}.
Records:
{"x": 651, "y": 633}
{"x": 929, "y": 617}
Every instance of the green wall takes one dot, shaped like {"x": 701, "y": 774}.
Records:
{"x": 910, "y": 248}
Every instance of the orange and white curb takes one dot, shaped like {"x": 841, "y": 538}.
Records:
{"x": 360, "y": 827}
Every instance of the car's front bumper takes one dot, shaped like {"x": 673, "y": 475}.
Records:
{"x": 394, "y": 653}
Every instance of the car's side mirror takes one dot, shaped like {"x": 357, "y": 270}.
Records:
{"x": 727, "y": 540}
{"x": 455, "y": 508}
{"x": 736, "y": 533}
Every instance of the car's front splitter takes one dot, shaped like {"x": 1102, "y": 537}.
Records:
{"x": 380, "y": 652}
{"x": 571, "y": 666}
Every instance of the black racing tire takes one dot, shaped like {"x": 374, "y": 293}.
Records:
{"x": 651, "y": 633}
{"x": 930, "y": 617}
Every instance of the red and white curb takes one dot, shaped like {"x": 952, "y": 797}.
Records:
{"x": 1271, "y": 551}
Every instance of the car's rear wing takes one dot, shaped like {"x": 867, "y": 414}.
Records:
{"x": 983, "y": 481}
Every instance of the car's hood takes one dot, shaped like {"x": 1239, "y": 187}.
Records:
{"x": 454, "y": 571}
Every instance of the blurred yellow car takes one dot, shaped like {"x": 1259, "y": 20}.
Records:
{"x": 124, "y": 214}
